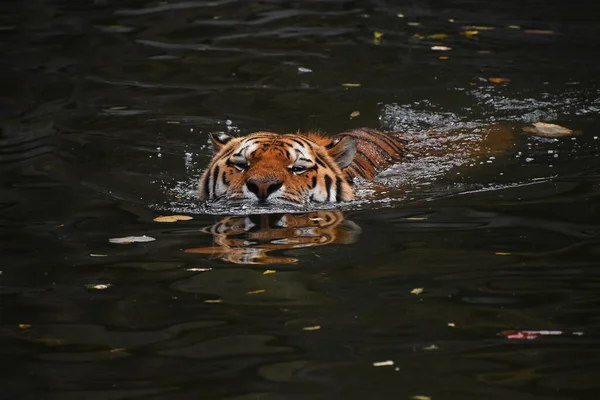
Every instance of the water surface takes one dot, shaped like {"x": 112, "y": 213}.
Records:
{"x": 105, "y": 111}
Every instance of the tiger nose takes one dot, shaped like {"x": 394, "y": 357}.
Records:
{"x": 263, "y": 188}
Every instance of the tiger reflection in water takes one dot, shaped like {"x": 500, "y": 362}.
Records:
{"x": 248, "y": 239}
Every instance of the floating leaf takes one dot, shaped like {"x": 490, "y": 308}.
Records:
{"x": 302, "y": 70}
{"x": 438, "y": 36}
{"x": 431, "y": 347}
{"x": 420, "y": 397}
{"x": 132, "y": 239}
{"x": 502, "y": 253}
{"x": 417, "y": 290}
{"x": 269, "y": 271}
{"x": 514, "y": 27}
{"x": 441, "y": 48}
{"x": 351, "y": 84}
{"x": 173, "y": 122}
{"x": 549, "y": 130}
{"x": 418, "y": 37}
{"x": 451, "y": 324}
{"x": 198, "y": 269}
{"x": 100, "y": 286}
{"x": 172, "y": 218}
{"x": 400, "y": 15}
{"x": 214, "y": 301}
{"x": 444, "y": 57}
{"x": 311, "y": 328}
{"x": 415, "y": 219}
{"x": 354, "y": 114}
{"x": 499, "y": 80}
{"x": 377, "y": 37}
{"x": 24, "y": 326}
{"x": 98, "y": 255}
{"x": 257, "y": 291}
{"x": 413, "y": 23}
{"x": 470, "y": 34}
{"x": 387, "y": 363}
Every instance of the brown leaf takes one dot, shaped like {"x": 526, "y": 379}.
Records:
{"x": 499, "y": 80}
{"x": 172, "y": 218}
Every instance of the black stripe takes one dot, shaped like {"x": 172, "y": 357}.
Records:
{"x": 215, "y": 176}
{"x": 360, "y": 153}
{"x": 391, "y": 141}
{"x": 301, "y": 143}
{"x": 377, "y": 146}
{"x": 314, "y": 182}
{"x": 338, "y": 188}
{"x": 328, "y": 182}
{"x": 225, "y": 181}
{"x": 206, "y": 186}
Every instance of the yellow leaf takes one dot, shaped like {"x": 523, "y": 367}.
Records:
{"x": 351, "y": 84}
{"x": 417, "y": 290}
{"x": 257, "y": 291}
{"x": 269, "y": 271}
{"x": 312, "y": 328}
{"x": 354, "y": 114}
{"x": 470, "y": 34}
{"x": 415, "y": 219}
{"x": 387, "y": 363}
{"x": 418, "y": 37}
{"x": 24, "y": 326}
{"x": 377, "y": 37}
{"x": 499, "y": 80}
{"x": 420, "y": 397}
{"x": 451, "y": 324}
{"x": 444, "y": 57}
{"x": 172, "y": 218}
{"x": 438, "y": 36}
{"x": 502, "y": 253}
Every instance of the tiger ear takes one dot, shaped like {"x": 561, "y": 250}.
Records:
{"x": 342, "y": 149}
{"x": 218, "y": 140}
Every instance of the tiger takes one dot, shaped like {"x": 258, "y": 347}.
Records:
{"x": 299, "y": 169}
{"x": 295, "y": 169}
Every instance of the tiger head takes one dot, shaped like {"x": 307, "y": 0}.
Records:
{"x": 266, "y": 168}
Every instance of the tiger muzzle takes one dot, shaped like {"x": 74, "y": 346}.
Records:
{"x": 263, "y": 187}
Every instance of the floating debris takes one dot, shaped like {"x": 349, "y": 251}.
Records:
{"x": 269, "y": 271}
{"x": 302, "y": 70}
{"x": 377, "y": 38}
{"x": 214, "y": 301}
{"x": 132, "y": 239}
{"x": 312, "y": 328}
{"x": 530, "y": 335}
{"x": 98, "y": 255}
{"x": 101, "y": 286}
{"x": 354, "y": 114}
{"x": 451, "y": 324}
{"x": 420, "y": 397}
{"x": 387, "y": 363}
{"x": 24, "y": 326}
{"x": 172, "y": 218}
{"x": 549, "y": 130}
{"x": 431, "y": 347}
{"x": 198, "y": 269}
{"x": 350, "y": 84}
{"x": 499, "y": 80}
{"x": 256, "y": 291}
{"x": 502, "y": 253}
{"x": 417, "y": 290}
{"x": 441, "y": 48}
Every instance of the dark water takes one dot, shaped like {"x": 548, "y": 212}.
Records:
{"x": 105, "y": 110}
